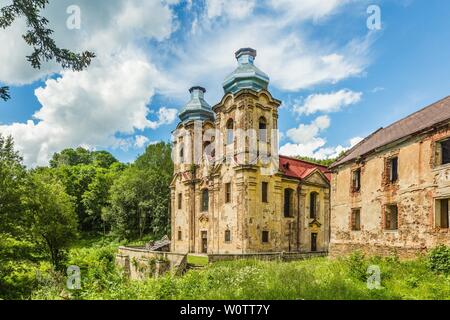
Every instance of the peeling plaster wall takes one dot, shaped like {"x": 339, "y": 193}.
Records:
{"x": 420, "y": 183}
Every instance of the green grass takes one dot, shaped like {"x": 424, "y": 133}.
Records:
{"x": 197, "y": 260}
{"x": 314, "y": 279}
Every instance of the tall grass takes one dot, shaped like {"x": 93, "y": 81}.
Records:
{"x": 314, "y": 279}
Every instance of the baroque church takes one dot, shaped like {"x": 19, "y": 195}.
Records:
{"x": 232, "y": 193}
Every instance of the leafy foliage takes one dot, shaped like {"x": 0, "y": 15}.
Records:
{"x": 313, "y": 279}
{"x": 439, "y": 259}
{"x": 140, "y": 198}
{"x": 39, "y": 37}
{"x": 322, "y": 162}
{"x": 54, "y": 222}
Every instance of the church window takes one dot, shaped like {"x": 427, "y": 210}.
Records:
{"x": 264, "y": 187}
{"x": 313, "y": 205}
{"x": 265, "y": 236}
{"x": 262, "y": 129}
{"x": 227, "y": 192}
{"x": 205, "y": 200}
{"x": 230, "y": 132}
{"x": 180, "y": 200}
{"x": 288, "y": 203}
{"x": 227, "y": 235}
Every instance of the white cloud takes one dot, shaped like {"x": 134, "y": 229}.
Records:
{"x": 307, "y": 9}
{"x": 329, "y": 102}
{"x": 141, "y": 141}
{"x": 233, "y": 9}
{"x": 306, "y": 141}
{"x": 90, "y": 107}
{"x": 306, "y": 133}
{"x": 120, "y": 23}
{"x": 165, "y": 116}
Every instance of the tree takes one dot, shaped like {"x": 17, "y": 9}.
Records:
{"x": 54, "y": 222}
{"x": 73, "y": 157}
{"x": 12, "y": 182}
{"x": 140, "y": 198}
{"x": 39, "y": 37}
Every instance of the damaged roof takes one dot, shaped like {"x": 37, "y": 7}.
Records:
{"x": 300, "y": 169}
{"x": 417, "y": 122}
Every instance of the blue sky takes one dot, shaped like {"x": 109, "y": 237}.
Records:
{"x": 338, "y": 80}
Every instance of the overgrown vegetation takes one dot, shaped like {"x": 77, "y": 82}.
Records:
{"x": 43, "y": 211}
{"x": 322, "y": 278}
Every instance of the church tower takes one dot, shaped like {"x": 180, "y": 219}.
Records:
{"x": 231, "y": 192}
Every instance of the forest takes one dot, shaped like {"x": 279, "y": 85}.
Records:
{"x": 82, "y": 194}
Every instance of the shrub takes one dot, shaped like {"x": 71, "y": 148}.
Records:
{"x": 439, "y": 259}
{"x": 357, "y": 265}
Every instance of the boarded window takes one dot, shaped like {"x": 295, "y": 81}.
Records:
{"x": 227, "y": 192}
{"x": 265, "y": 236}
{"x": 180, "y": 235}
{"x": 288, "y": 206}
{"x": 391, "y": 219}
{"x": 356, "y": 219}
{"x": 205, "y": 200}
{"x": 442, "y": 213}
{"x": 180, "y": 201}
{"x": 313, "y": 205}
{"x": 264, "y": 187}
{"x": 393, "y": 169}
{"x": 356, "y": 180}
{"x": 227, "y": 235}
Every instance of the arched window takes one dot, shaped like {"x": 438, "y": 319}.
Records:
{"x": 205, "y": 200}
{"x": 206, "y": 149}
{"x": 262, "y": 129}
{"x": 313, "y": 205}
{"x": 288, "y": 202}
{"x": 230, "y": 132}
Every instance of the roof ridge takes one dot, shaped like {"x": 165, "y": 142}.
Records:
{"x": 383, "y": 131}
{"x": 416, "y": 112}
{"x": 304, "y": 161}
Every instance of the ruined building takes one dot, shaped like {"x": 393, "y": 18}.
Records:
{"x": 231, "y": 191}
{"x": 391, "y": 192}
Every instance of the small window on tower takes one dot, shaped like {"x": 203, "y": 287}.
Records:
{"x": 265, "y": 187}
{"x": 230, "y": 132}
{"x": 180, "y": 200}
{"x": 262, "y": 129}
{"x": 180, "y": 235}
{"x": 227, "y": 192}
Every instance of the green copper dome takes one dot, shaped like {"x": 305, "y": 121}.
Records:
{"x": 247, "y": 75}
{"x": 197, "y": 108}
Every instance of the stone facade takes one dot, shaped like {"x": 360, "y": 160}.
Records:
{"x": 416, "y": 189}
{"x": 225, "y": 200}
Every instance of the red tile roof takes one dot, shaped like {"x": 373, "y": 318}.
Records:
{"x": 417, "y": 122}
{"x": 300, "y": 169}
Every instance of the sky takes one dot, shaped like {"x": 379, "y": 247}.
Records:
{"x": 340, "y": 74}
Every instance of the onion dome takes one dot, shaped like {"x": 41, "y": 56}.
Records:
{"x": 197, "y": 108}
{"x": 247, "y": 75}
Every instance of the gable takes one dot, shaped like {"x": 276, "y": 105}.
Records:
{"x": 317, "y": 178}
